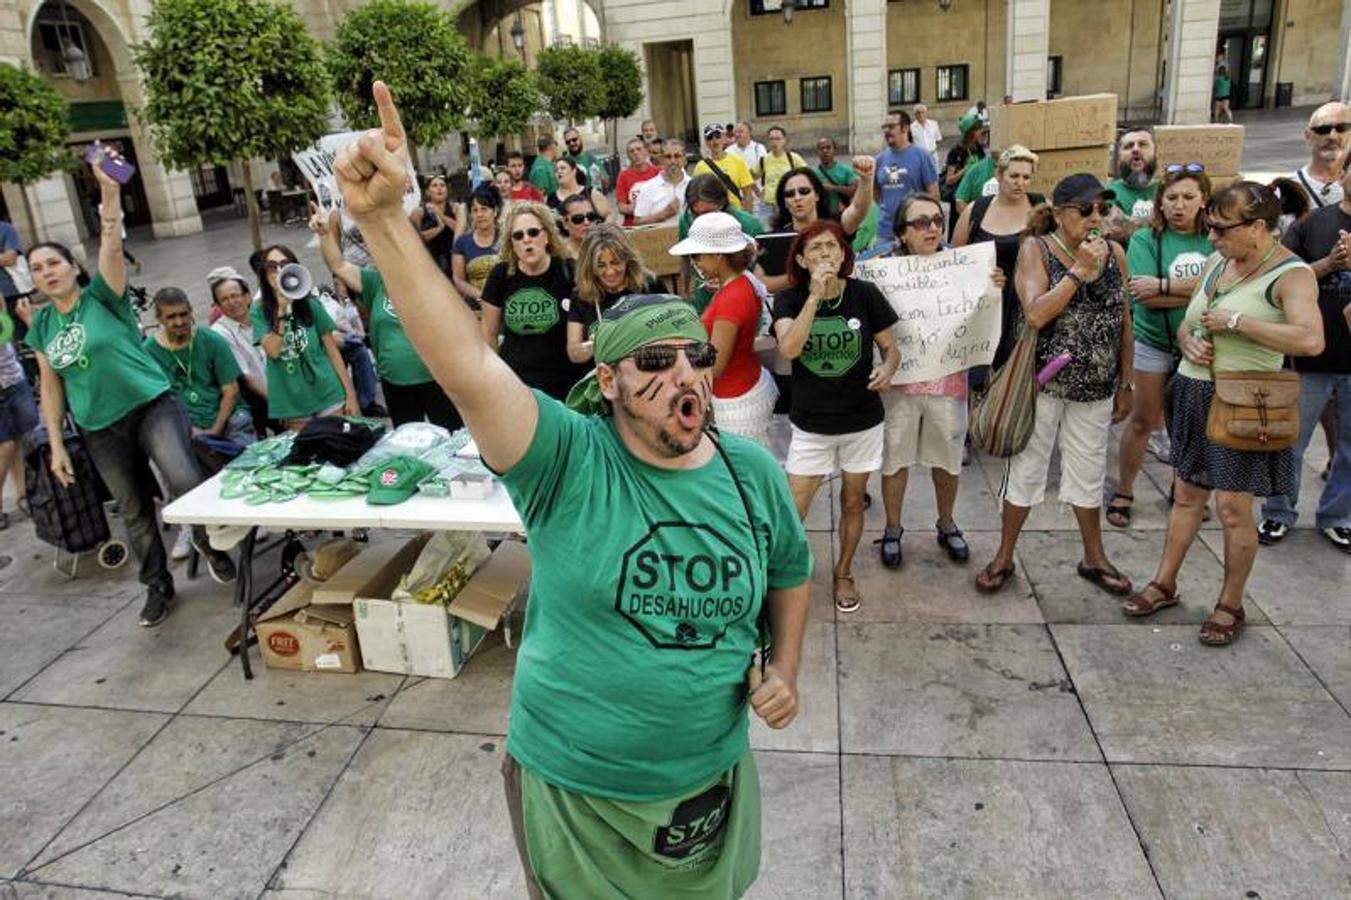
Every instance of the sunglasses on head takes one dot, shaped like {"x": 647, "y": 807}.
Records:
{"x": 789, "y": 193}
{"x": 934, "y": 221}
{"x": 660, "y": 357}
{"x": 1191, "y": 168}
{"x": 1325, "y": 130}
{"x": 1087, "y": 209}
{"x": 579, "y": 218}
{"x": 521, "y": 234}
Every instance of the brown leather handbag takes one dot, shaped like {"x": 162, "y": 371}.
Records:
{"x": 1254, "y": 410}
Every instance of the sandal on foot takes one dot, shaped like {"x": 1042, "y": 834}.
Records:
{"x": 1100, "y": 578}
{"x": 846, "y": 601}
{"x": 1216, "y": 634}
{"x": 1142, "y": 605}
{"x": 989, "y": 579}
{"x": 1119, "y": 514}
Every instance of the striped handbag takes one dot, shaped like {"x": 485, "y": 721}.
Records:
{"x": 1002, "y": 421}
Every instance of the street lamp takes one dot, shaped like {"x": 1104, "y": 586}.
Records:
{"x": 788, "y": 7}
{"x": 518, "y": 34}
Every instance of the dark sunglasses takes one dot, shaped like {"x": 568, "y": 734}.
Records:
{"x": 1191, "y": 168}
{"x": 1087, "y": 209}
{"x": 1224, "y": 229}
{"x": 1339, "y": 127}
{"x": 674, "y": 157}
{"x": 934, "y": 221}
{"x": 579, "y": 218}
{"x": 523, "y": 233}
{"x": 660, "y": 357}
{"x": 789, "y": 193}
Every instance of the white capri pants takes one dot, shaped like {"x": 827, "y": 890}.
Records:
{"x": 1083, "y": 430}
{"x": 748, "y": 415}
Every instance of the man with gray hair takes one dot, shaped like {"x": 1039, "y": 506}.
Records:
{"x": 925, "y": 134}
{"x": 1327, "y": 134}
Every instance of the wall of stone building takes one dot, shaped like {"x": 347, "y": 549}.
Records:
{"x": 1305, "y": 49}
{"x": 922, "y": 35}
{"x": 768, "y": 49}
{"x": 1110, "y": 46}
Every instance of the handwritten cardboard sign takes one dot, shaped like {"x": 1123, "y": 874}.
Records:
{"x": 316, "y": 164}
{"x": 653, "y": 243}
{"x": 1218, "y": 147}
{"x": 949, "y": 309}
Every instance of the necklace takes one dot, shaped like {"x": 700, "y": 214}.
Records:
{"x": 186, "y": 370}
{"x": 1220, "y": 292}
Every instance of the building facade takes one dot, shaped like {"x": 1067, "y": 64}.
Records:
{"x": 817, "y": 67}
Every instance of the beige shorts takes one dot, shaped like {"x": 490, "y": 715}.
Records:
{"x": 826, "y": 454}
{"x": 1081, "y": 431}
{"x": 923, "y": 430}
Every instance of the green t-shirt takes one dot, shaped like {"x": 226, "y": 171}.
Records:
{"x": 543, "y": 176}
{"x": 1138, "y": 203}
{"x": 644, "y": 600}
{"x": 838, "y": 174}
{"x": 395, "y": 359}
{"x": 1223, "y": 87}
{"x": 866, "y": 235}
{"x": 1183, "y": 256}
{"x": 750, "y": 225}
{"x": 972, "y": 185}
{"x": 96, "y": 351}
{"x": 300, "y": 382}
{"x": 197, "y": 372}
{"x": 587, "y": 163}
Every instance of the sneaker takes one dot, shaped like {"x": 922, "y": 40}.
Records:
{"x": 219, "y": 564}
{"x": 1271, "y": 532}
{"x": 182, "y": 545}
{"x": 1160, "y": 447}
{"x": 1339, "y": 538}
{"x": 156, "y": 608}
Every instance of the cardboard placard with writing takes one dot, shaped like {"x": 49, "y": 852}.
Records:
{"x": 653, "y": 243}
{"x": 1218, "y": 147}
{"x": 316, "y": 164}
{"x": 1017, "y": 123}
{"x": 1053, "y": 165}
{"x": 1085, "y": 121}
{"x": 949, "y": 309}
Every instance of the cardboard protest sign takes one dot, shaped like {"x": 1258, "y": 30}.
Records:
{"x": 949, "y": 309}
{"x": 316, "y": 163}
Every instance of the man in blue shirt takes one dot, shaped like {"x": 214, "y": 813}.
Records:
{"x": 902, "y": 169}
{"x": 11, "y": 292}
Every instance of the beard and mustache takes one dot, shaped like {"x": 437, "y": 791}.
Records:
{"x": 1136, "y": 178}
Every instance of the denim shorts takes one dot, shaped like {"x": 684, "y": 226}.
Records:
{"x": 1153, "y": 360}
{"x": 18, "y": 412}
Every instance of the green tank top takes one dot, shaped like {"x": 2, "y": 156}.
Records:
{"x": 1234, "y": 352}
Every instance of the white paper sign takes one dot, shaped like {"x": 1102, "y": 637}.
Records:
{"x": 949, "y": 309}
{"x": 316, "y": 163}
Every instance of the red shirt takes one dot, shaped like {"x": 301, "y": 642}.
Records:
{"x": 627, "y": 181}
{"x": 527, "y": 191}
{"x": 736, "y": 302}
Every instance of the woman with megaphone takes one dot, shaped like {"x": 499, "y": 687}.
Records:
{"x": 306, "y": 376}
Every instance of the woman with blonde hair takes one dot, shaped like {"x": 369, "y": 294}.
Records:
{"x": 525, "y": 301}
{"x": 608, "y": 269}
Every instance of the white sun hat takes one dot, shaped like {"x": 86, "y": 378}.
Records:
{"x": 715, "y": 232}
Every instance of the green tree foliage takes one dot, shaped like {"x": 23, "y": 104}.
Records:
{"x": 623, "y": 80}
{"x": 231, "y": 80}
{"x": 505, "y": 97}
{"x": 34, "y": 126}
{"x": 418, "y": 51}
{"x": 571, "y": 81}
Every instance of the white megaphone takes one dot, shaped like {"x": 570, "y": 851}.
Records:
{"x": 294, "y": 281}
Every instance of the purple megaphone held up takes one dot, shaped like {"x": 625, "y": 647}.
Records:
{"x": 1049, "y": 371}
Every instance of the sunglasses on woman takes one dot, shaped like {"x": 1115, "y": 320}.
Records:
{"x": 1325, "y": 130}
{"x": 1191, "y": 168}
{"x": 660, "y": 357}
{"x": 579, "y": 218}
{"x": 521, "y": 234}
{"x": 789, "y": 193}
{"x": 1087, "y": 209}
{"x": 1222, "y": 230}
{"x": 923, "y": 222}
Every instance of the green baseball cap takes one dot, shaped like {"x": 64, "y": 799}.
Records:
{"x": 396, "y": 479}
{"x": 966, "y": 123}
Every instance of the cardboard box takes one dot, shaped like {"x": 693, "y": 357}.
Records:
{"x": 295, "y": 636}
{"x": 1218, "y": 147}
{"x": 371, "y": 573}
{"x": 429, "y": 640}
{"x": 1053, "y": 165}
{"x": 1063, "y": 124}
{"x": 653, "y": 243}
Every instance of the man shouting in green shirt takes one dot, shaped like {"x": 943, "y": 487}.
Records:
{"x": 656, "y": 550}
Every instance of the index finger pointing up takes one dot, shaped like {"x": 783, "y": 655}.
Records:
{"x": 390, "y": 123}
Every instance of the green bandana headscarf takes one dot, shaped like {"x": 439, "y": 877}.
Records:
{"x": 634, "y": 321}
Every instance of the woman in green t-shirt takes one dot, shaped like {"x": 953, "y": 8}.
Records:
{"x": 88, "y": 346}
{"x": 306, "y": 376}
{"x": 1165, "y": 261}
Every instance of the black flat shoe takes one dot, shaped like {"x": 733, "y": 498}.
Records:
{"x": 954, "y": 545}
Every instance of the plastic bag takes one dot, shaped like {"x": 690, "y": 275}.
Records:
{"x": 442, "y": 568}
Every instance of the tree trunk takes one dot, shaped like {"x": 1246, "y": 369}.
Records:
{"x": 251, "y": 202}
{"x": 28, "y": 211}
{"x": 412, "y": 151}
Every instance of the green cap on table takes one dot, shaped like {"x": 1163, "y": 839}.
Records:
{"x": 396, "y": 479}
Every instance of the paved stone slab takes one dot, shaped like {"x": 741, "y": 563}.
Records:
{"x": 30, "y": 570}
{"x": 800, "y": 853}
{"x": 36, "y": 629}
{"x": 1326, "y": 650}
{"x": 474, "y": 702}
{"x": 124, "y": 666}
{"x": 977, "y": 508}
{"x": 417, "y": 814}
{"x": 986, "y": 828}
{"x": 188, "y": 849}
{"x": 54, "y": 760}
{"x": 1241, "y": 833}
{"x": 296, "y": 696}
{"x": 929, "y": 587}
{"x": 1300, "y": 581}
{"x": 27, "y": 890}
{"x": 958, "y": 690}
{"x": 817, "y": 727}
{"x": 1051, "y": 560}
{"x": 189, "y": 755}
{"x": 1157, "y": 695}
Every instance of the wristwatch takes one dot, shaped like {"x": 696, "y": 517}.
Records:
{"x": 1127, "y": 386}
{"x": 1232, "y": 324}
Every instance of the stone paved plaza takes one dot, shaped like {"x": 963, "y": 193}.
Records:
{"x": 1033, "y": 744}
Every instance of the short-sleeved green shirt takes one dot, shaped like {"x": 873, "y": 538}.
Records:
{"x": 197, "y": 372}
{"x": 96, "y": 351}
{"x": 645, "y": 593}
{"x": 837, "y": 174}
{"x": 543, "y": 176}
{"x": 1184, "y": 256}
{"x": 1138, "y": 203}
{"x": 972, "y": 185}
{"x": 750, "y": 225}
{"x": 395, "y": 359}
{"x": 300, "y": 382}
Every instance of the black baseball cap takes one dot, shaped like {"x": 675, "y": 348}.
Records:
{"x": 1080, "y": 187}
